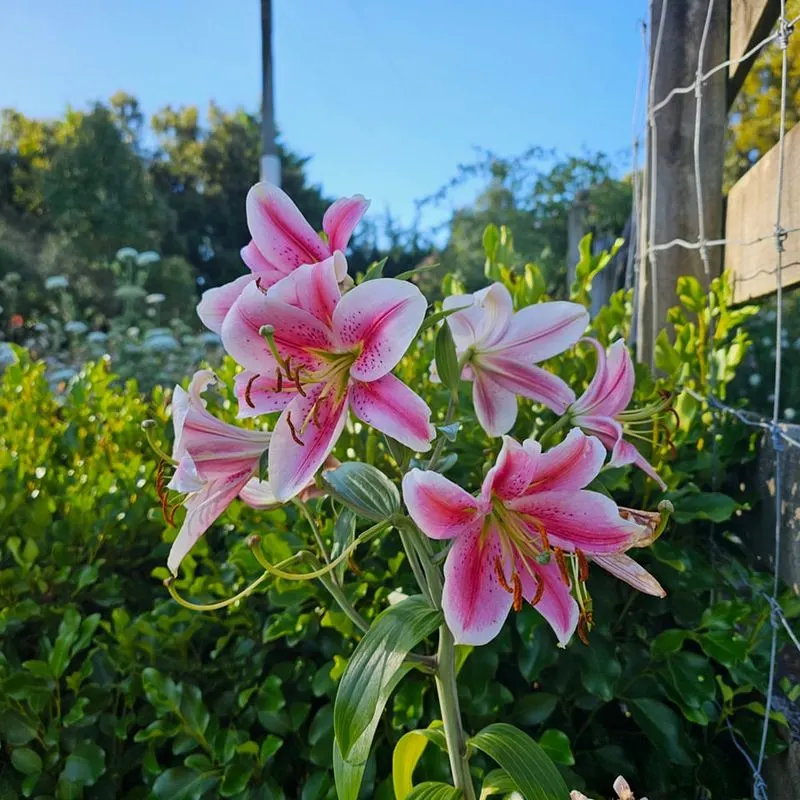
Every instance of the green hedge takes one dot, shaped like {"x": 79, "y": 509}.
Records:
{"x": 109, "y": 689}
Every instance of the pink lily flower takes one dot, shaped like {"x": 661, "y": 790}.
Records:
{"x": 600, "y": 410}
{"x": 312, "y": 353}
{"x": 215, "y": 463}
{"x": 282, "y": 241}
{"x": 528, "y": 536}
{"x": 501, "y": 348}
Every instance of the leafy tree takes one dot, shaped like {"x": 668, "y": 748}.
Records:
{"x": 98, "y": 191}
{"x": 535, "y": 203}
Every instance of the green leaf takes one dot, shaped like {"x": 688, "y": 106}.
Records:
{"x": 376, "y": 660}
{"x": 446, "y": 358}
{"x": 533, "y": 709}
{"x": 179, "y": 783}
{"x": 26, "y": 761}
{"x": 269, "y": 747}
{"x": 84, "y": 765}
{"x": 600, "y": 669}
{"x": 16, "y": 729}
{"x": 713, "y": 506}
{"x": 497, "y": 782}
{"x": 193, "y": 710}
{"x": 364, "y": 489}
{"x": 375, "y": 270}
{"x": 437, "y": 317}
{"x": 162, "y": 692}
{"x": 669, "y": 642}
{"x": 344, "y": 531}
{"x": 556, "y": 744}
{"x": 727, "y": 647}
{"x": 663, "y": 727}
{"x": 237, "y": 776}
{"x": 407, "y": 753}
{"x": 524, "y": 761}
{"x": 409, "y": 273}
{"x": 431, "y": 790}
{"x": 348, "y": 773}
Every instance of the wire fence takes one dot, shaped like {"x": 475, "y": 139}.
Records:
{"x": 646, "y": 189}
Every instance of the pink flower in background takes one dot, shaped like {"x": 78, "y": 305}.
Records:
{"x": 320, "y": 354}
{"x": 282, "y": 241}
{"x": 600, "y": 410}
{"x": 527, "y": 536}
{"x": 501, "y": 348}
{"x": 215, "y": 463}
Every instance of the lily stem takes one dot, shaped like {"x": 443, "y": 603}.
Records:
{"x": 560, "y": 423}
{"x": 446, "y": 684}
{"x": 447, "y": 690}
{"x": 448, "y": 418}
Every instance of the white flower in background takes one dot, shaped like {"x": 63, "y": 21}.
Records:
{"x": 126, "y": 252}
{"x": 796, "y": 344}
{"x": 789, "y": 413}
{"x": 40, "y": 327}
{"x": 133, "y": 331}
{"x": 754, "y": 380}
{"x": 97, "y": 337}
{"x": 147, "y": 258}
{"x": 766, "y": 341}
{"x": 771, "y": 315}
{"x": 155, "y": 299}
{"x": 62, "y": 375}
{"x": 161, "y": 342}
{"x": 76, "y": 326}
{"x": 209, "y": 338}
{"x": 7, "y": 355}
{"x": 56, "y": 282}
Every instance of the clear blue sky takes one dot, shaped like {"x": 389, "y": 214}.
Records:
{"x": 388, "y": 96}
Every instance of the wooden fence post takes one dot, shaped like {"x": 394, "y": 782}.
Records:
{"x": 676, "y": 33}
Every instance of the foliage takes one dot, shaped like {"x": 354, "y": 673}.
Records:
{"x": 110, "y": 689}
{"x": 534, "y": 203}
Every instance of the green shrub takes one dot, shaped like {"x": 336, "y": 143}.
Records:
{"x": 111, "y": 689}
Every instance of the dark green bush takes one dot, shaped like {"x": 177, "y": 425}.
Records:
{"x": 111, "y": 689}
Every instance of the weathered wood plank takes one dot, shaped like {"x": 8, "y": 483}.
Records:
{"x": 751, "y": 216}
{"x": 670, "y": 158}
{"x": 751, "y": 21}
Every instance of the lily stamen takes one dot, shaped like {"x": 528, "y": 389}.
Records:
{"x": 537, "y": 595}
{"x": 582, "y": 629}
{"x": 562, "y": 565}
{"x": 297, "y": 382}
{"x": 517, "y": 583}
{"x": 248, "y": 389}
{"x": 583, "y": 566}
{"x": 278, "y": 379}
{"x": 501, "y": 578}
{"x": 292, "y": 430}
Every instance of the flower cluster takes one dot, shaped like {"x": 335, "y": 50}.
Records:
{"x": 313, "y": 347}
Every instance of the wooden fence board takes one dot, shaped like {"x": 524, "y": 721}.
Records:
{"x": 751, "y": 21}
{"x": 751, "y": 215}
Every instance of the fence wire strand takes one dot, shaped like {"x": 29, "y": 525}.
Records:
{"x": 646, "y": 191}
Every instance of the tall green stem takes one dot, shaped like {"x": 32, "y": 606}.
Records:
{"x": 447, "y": 689}
{"x": 446, "y": 685}
{"x": 560, "y": 423}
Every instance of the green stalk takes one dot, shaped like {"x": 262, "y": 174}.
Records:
{"x": 447, "y": 690}
{"x": 560, "y": 423}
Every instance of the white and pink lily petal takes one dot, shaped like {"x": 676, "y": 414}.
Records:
{"x": 600, "y": 410}
{"x": 282, "y": 241}
{"x": 314, "y": 354}
{"x": 527, "y": 536}
{"x": 502, "y": 347}
{"x": 215, "y": 461}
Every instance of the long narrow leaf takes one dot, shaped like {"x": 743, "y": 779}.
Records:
{"x": 525, "y": 762}
{"x": 375, "y": 662}
{"x": 407, "y": 753}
